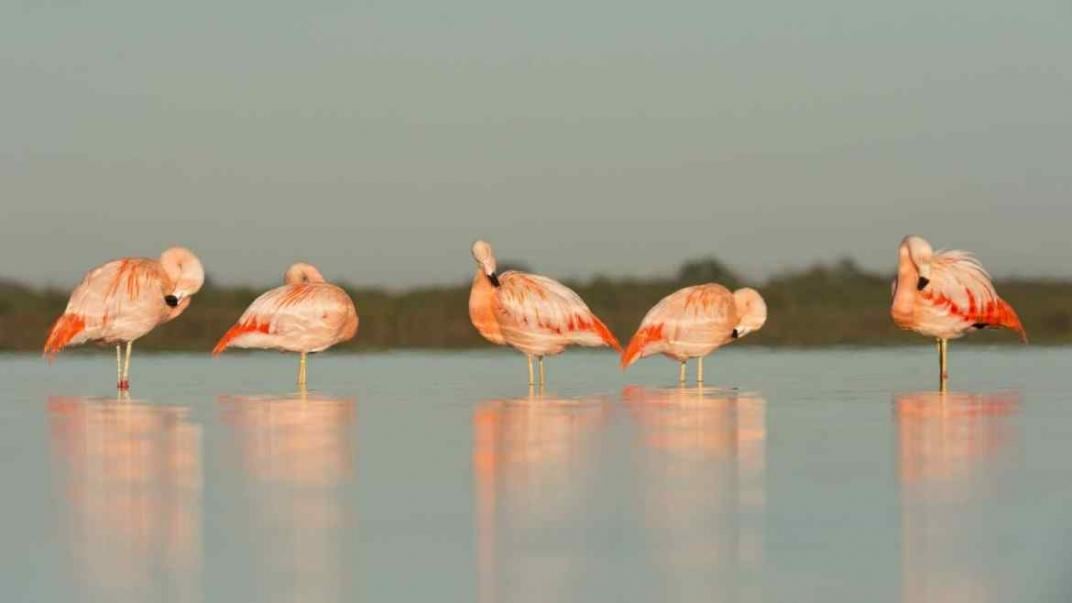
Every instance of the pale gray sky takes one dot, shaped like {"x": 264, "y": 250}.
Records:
{"x": 378, "y": 139}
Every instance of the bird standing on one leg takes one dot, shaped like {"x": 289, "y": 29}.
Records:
{"x": 307, "y": 314}
{"x": 695, "y": 321}
{"x": 536, "y": 315}
{"x": 945, "y": 295}
{"x": 123, "y": 300}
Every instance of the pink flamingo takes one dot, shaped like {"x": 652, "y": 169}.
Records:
{"x": 535, "y": 315}
{"x": 695, "y": 321}
{"x": 123, "y": 300}
{"x": 307, "y": 314}
{"x": 946, "y": 294}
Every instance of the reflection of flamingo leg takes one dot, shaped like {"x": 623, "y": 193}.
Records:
{"x": 532, "y": 379}
{"x": 681, "y": 372}
{"x": 699, "y": 370}
{"x": 302, "y": 370}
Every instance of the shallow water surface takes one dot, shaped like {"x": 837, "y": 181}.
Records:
{"x": 837, "y": 475}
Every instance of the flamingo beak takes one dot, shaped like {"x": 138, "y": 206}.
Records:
{"x": 735, "y": 334}
{"x": 494, "y": 278}
{"x": 171, "y": 300}
{"x": 922, "y": 282}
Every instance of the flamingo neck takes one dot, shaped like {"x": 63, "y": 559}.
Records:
{"x": 482, "y": 308}
{"x": 905, "y": 296}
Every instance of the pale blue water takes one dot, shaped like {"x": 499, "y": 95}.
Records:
{"x": 830, "y": 475}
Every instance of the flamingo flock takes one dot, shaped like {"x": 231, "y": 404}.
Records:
{"x": 943, "y": 295}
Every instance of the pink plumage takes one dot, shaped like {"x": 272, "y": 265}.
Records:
{"x": 534, "y": 314}
{"x": 307, "y": 314}
{"x": 695, "y": 321}
{"x": 946, "y": 294}
{"x": 121, "y": 301}
{"x": 124, "y": 299}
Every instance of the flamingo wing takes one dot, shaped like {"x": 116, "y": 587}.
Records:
{"x": 107, "y": 291}
{"x": 118, "y": 300}
{"x": 960, "y": 289}
{"x": 300, "y": 317}
{"x": 702, "y": 316}
{"x": 542, "y": 307}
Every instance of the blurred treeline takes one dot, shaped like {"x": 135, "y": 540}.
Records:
{"x": 836, "y": 304}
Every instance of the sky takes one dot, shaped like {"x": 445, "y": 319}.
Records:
{"x": 378, "y": 139}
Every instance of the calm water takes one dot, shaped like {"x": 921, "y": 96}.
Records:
{"x": 796, "y": 475}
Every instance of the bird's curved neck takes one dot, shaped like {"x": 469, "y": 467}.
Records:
{"x": 482, "y": 307}
{"x": 907, "y": 278}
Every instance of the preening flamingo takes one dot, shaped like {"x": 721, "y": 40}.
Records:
{"x": 946, "y": 294}
{"x": 307, "y": 314}
{"x": 535, "y": 315}
{"x": 123, "y": 300}
{"x": 695, "y": 321}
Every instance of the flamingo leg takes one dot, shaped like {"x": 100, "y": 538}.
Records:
{"x": 532, "y": 378}
{"x": 124, "y": 382}
{"x": 943, "y": 364}
{"x": 681, "y": 372}
{"x": 699, "y": 371}
{"x": 543, "y": 373}
{"x": 118, "y": 366}
{"x": 303, "y": 371}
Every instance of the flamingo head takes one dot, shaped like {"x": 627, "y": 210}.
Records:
{"x": 485, "y": 259}
{"x": 751, "y": 311}
{"x": 300, "y": 273}
{"x": 185, "y": 272}
{"x": 919, "y": 252}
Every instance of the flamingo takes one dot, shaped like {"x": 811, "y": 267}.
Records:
{"x": 307, "y": 314}
{"x": 536, "y": 315}
{"x": 695, "y": 321}
{"x": 123, "y": 300}
{"x": 944, "y": 295}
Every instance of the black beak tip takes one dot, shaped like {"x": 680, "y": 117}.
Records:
{"x": 494, "y": 278}
{"x": 171, "y": 300}
{"x": 922, "y": 282}
{"x": 735, "y": 334}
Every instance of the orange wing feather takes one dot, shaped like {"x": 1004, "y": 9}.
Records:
{"x": 961, "y": 288}
{"x": 237, "y": 331}
{"x": 644, "y": 336}
{"x": 62, "y": 332}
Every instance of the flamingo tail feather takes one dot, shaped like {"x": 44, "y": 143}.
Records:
{"x": 639, "y": 341}
{"x": 62, "y": 332}
{"x": 1008, "y": 318}
{"x": 605, "y": 334}
{"x": 235, "y": 332}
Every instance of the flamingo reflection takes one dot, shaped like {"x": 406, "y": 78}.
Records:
{"x": 129, "y": 479}
{"x": 295, "y": 455}
{"x": 950, "y": 452}
{"x": 533, "y": 466}
{"x": 701, "y": 467}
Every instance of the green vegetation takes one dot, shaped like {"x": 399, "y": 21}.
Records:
{"x": 823, "y": 305}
